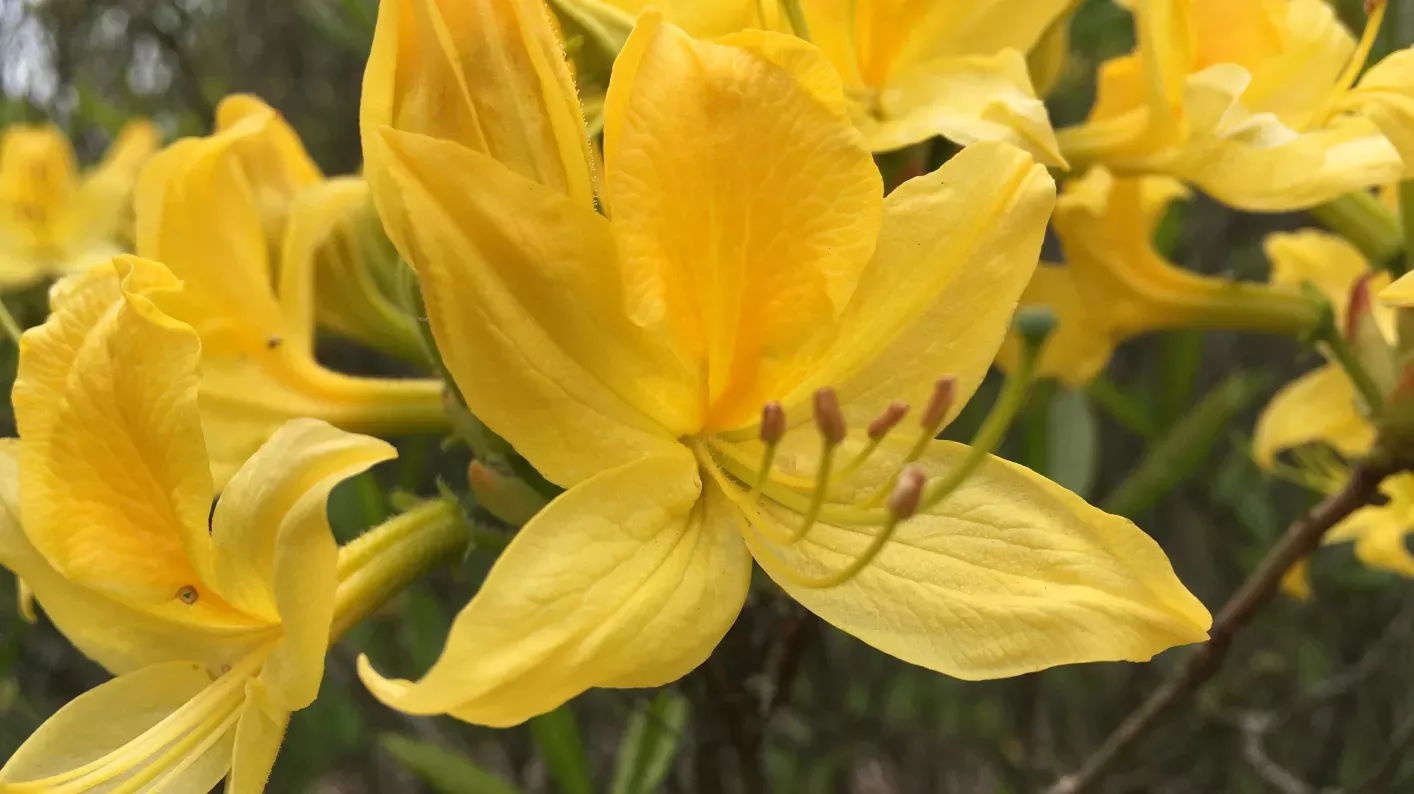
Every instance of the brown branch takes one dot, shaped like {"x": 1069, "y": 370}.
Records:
{"x": 1301, "y": 538}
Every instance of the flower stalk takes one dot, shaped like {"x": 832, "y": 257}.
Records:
{"x": 388, "y": 558}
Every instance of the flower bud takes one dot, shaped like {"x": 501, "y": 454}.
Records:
{"x": 490, "y": 75}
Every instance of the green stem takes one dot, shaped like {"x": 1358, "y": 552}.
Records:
{"x": 1367, "y": 223}
{"x": 1341, "y": 351}
{"x": 1396, "y": 265}
{"x": 388, "y": 558}
{"x": 796, "y": 15}
{"x": 12, "y": 328}
{"x": 1122, "y": 408}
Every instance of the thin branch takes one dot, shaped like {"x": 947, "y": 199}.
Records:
{"x": 1254, "y": 727}
{"x": 1301, "y": 538}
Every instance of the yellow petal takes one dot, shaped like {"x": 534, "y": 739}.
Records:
{"x": 274, "y": 553}
{"x": 1331, "y": 264}
{"x": 489, "y": 75}
{"x": 1385, "y": 95}
{"x": 1314, "y": 50}
{"x": 110, "y": 716}
{"x": 198, "y": 214}
{"x": 706, "y": 20}
{"x": 745, "y": 245}
{"x": 259, "y": 733}
{"x": 315, "y": 216}
{"x": 1296, "y": 582}
{"x": 519, "y": 281}
{"x": 338, "y": 266}
{"x": 957, "y": 248}
{"x": 1400, "y": 293}
{"x": 117, "y": 636}
{"x": 114, "y": 481}
{"x": 964, "y": 99}
{"x": 106, "y": 192}
{"x": 626, "y": 580}
{"x": 1256, "y": 163}
{"x": 273, "y": 159}
{"x": 38, "y": 171}
{"x": 1382, "y": 546}
{"x": 879, "y": 39}
{"x": 1082, "y": 343}
{"x": 1009, "y": 574}
{"x": 1318, "y": 406}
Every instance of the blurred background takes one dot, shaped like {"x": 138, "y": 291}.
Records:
{"x": 1316, "y": 696}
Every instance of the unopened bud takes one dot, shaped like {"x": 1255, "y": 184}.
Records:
{"x": 903, "y": 502}
{"x": 828, "y": 416}
{"x": 940, "y": 403}
{"x": 1034, "y": 324}
{"x": 773, "y": 422}
{"x": 891, "y": 416}
{"x": 1359, "y": 305}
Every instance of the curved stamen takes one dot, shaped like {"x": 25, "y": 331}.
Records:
{"x": 878, "y": 431}
{"x": 934, "y": 414}
{"x": 829, "y": 419}
{"x": 773, "y": 429}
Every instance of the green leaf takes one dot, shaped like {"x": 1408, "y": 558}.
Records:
{"x": 650, "y": 744}
{"x": 1073, "y": 448}
{"x": 444, "y": 771}
{"x": 1185, "y": 447}
{"x": 556, "y": 735}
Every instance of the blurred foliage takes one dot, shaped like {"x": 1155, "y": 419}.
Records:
{"x": 1322, "y": 692}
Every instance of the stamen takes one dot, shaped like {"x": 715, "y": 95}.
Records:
{"x": 830, "y": 420}
{"x": 773, "y": 429}
{"x": 934, "y": 414}
{"x": 878, "y": 430}
{"x": 891, "y": 416}
{"x": 828, "y": 416}
{"x": 1375, "y": 15}
{"x": 903, "y": 503}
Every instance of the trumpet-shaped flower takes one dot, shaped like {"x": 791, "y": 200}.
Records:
{"x": 655, "y": 363}
{"x": 205, "y": 211}
{"x": 1323, "y": 412}
{"x": 54, "y": 221}
{"x": 912, "y": 69}
{"x": 1115, "y": 285}
{"x": 215, "y": 623}
{"x": 1250, "y": 100}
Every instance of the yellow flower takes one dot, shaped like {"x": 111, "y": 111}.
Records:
{"x": 1323, "y": 411}
{"x": 912, "y": 69}
{"x": 750, "y": 260}
{"x": 1115, "y": 285}
{"x": 54, "y": 222}
{"x": 1249, "y": 100}
{"x": 215, "y": 623}
{"x": 1323, "y": 405}
{"x": 204, "y": 211}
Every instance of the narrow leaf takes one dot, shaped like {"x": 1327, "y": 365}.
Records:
{"x": 444, "y": 771}
{"x": 650, "y": 744}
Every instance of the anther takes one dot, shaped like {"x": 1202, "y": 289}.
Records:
{"x": 773, "y": 429}
{"x": 878, "y": 430}
{"x": 944, "y": 391}
{"x": 773, "y": 422}
{"x": 187, "y": 594}
{"x": 828, "y": 416}
{"x": 903, "y": 502}
{"x": 891, "y": 416}
{"x": 935, "y": 413}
